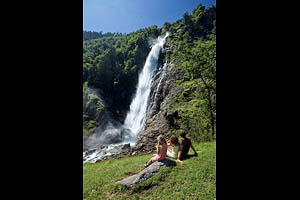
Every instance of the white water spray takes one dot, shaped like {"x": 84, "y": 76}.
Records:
{"x": 135, "y": 119}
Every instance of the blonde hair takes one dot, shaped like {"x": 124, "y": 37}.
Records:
{"x": 161, "y": 140}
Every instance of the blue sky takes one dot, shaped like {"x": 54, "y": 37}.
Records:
{"x": 125, "y": 16}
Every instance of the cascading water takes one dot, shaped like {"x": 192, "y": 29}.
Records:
{"x": 160, "y": 80}
{"x": 135, "y": 119}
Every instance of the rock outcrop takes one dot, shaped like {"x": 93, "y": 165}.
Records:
{"x": 148, "y": 172}
{"x": 160, "y": 117}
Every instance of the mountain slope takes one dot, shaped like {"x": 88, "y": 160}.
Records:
{"x": 183, "y": 94}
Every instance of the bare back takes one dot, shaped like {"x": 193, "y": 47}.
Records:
{"x": 185, "y": 145}
{"x": 162, "y": 152}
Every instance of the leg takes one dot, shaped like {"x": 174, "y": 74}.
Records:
{"x": 153, "y": 159}
{"x": 149, "y": 162}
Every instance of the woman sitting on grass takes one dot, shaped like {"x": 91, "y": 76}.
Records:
{"x": 161, "y": 151}
{"x": 173, "y": 147}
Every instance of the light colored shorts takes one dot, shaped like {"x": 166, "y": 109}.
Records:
{"x": 154, "y": 158}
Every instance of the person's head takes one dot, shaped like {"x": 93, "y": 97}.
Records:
{"x": 182, "y": 134}
{"x": 174, "y": 140}
{"x": 161, "y": 140}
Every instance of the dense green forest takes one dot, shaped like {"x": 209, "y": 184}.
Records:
{"x": 110, "y": 65}
{"x": 112, "y": 61}
{"x": 89, "y": 35}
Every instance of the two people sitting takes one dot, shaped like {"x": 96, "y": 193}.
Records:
{"x": 172, "y": 148}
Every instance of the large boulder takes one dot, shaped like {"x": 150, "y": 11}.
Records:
{"x": 148, "y": 172}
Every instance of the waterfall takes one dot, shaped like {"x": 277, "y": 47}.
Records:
{"x": 160, "y": 80}
{"x": 135, "y": 119}
{"x": 108, "y": 140}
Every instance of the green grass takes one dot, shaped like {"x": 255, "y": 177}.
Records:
{"x": 194, "y": 179}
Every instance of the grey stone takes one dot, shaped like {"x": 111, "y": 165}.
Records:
{"x": 126, "y": 146}
{"x": 148, "y": 172}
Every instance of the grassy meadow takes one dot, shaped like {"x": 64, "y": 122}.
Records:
{"x": 194, "y": 179}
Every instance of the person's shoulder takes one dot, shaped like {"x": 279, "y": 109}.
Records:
{"x": 181, "y": 140}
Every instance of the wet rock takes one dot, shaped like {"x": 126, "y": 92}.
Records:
{"x": 139, "y": 146}
{"x": 126, "y": 146}
{"x": 89, "y": 152}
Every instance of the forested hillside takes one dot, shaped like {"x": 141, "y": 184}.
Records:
{"x": 193, "y": 42}
{"x": 112, "y": 61}
{"x": 110, "y": 68}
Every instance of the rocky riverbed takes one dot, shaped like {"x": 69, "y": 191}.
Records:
{"x": 113, "y": 151}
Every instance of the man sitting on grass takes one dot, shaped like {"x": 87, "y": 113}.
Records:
{"x": 185, "y": 144}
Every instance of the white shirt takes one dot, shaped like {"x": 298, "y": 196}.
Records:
{"x": 172, "y": 152}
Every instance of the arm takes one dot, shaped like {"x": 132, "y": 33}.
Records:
{"x": 194, "y": 149}
{"x": 179, "y": 155}
{"x": 157, "y": 149}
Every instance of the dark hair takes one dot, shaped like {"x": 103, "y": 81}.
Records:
{"x": 182, "y": 133}
{"x": 174, "y": 139}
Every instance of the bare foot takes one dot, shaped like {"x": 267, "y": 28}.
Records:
{"x": 179, "y": 161}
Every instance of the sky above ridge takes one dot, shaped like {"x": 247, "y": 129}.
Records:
{"x": 125, "y": 16}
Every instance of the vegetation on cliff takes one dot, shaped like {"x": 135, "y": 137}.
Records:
{"x": 193, "y": 44}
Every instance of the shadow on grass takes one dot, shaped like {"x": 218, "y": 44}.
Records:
{"x": 168, "y": 162}
{"x": 189, "y": 156}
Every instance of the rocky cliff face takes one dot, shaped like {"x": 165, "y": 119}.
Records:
{"x": 160, "y": 117}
